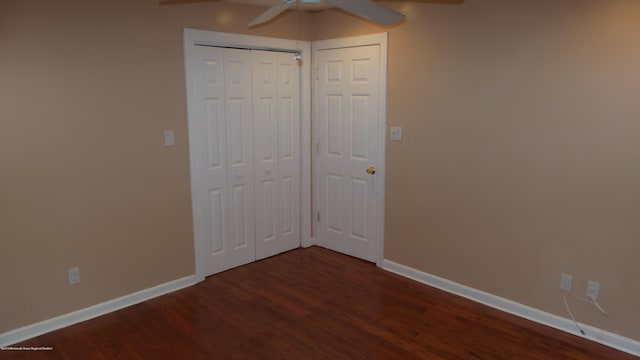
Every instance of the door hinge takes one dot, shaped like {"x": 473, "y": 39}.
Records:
{"x": 317, "y": 71}
{"x": 318, "y": 148}
{"x": 318, "y": 217}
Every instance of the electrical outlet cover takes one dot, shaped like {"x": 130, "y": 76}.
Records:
{"x": 593, "y": 290}
{"x": 74, "y": 276}
{"x": 565, "y": 281}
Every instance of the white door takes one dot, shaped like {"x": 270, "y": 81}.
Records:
{"x": 244, "y": 128}
{"x": 348, "y": 114}
{"x": 224, "y": 136}
{"x": 277, "y": 152}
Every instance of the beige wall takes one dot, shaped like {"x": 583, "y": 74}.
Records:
{"x": 519, "y": 160}
{"x": 521, "y": 150}
{"x": 87, "y": 89}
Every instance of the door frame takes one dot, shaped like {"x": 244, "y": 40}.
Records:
{"x": 380, "y": 39}
{"x": 192, "y": 37}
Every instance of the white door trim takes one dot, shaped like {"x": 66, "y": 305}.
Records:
{"x": 355, "y": 41}
{"x": 210, "y": 38}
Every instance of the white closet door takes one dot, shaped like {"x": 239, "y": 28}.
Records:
{"x": 277, "y": 148}
{"x": 223, "y": 200}
{"x": 244, "y": 127}
{"x": 237, "y": 65}
{"x": 348, "y": 101}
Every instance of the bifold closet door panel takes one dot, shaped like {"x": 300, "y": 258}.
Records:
{"x": 240, "y": 174}
{"x": 223, "y": 166}
{"x": 277, "y": 152}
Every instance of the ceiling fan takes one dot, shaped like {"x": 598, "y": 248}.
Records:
{"x": 366, "y": 9}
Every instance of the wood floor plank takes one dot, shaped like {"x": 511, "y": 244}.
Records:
{"x": 311, "y": 304}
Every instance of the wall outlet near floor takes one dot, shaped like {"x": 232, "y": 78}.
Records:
{"x": 593, "y": 290}
{"x": 565, "y": 282}
{"x": 74, "y": 276}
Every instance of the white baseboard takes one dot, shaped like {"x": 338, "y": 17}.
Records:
{"x": 31, "y": 331}
{"x": 592, "y": 333}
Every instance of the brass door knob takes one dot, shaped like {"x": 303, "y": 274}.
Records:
{"x": 371, "y": 170}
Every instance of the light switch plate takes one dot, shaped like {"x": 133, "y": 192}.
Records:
{"x": 396, "y": 133}
{"x": 168, "y": 138}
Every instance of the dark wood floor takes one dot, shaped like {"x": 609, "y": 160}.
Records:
{"x": 311, "y": 303}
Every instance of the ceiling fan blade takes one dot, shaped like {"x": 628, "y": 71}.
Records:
{"x": 271, "y": 13}
{"x": 178, "y": 2}
{"x": 368, "y": 10}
